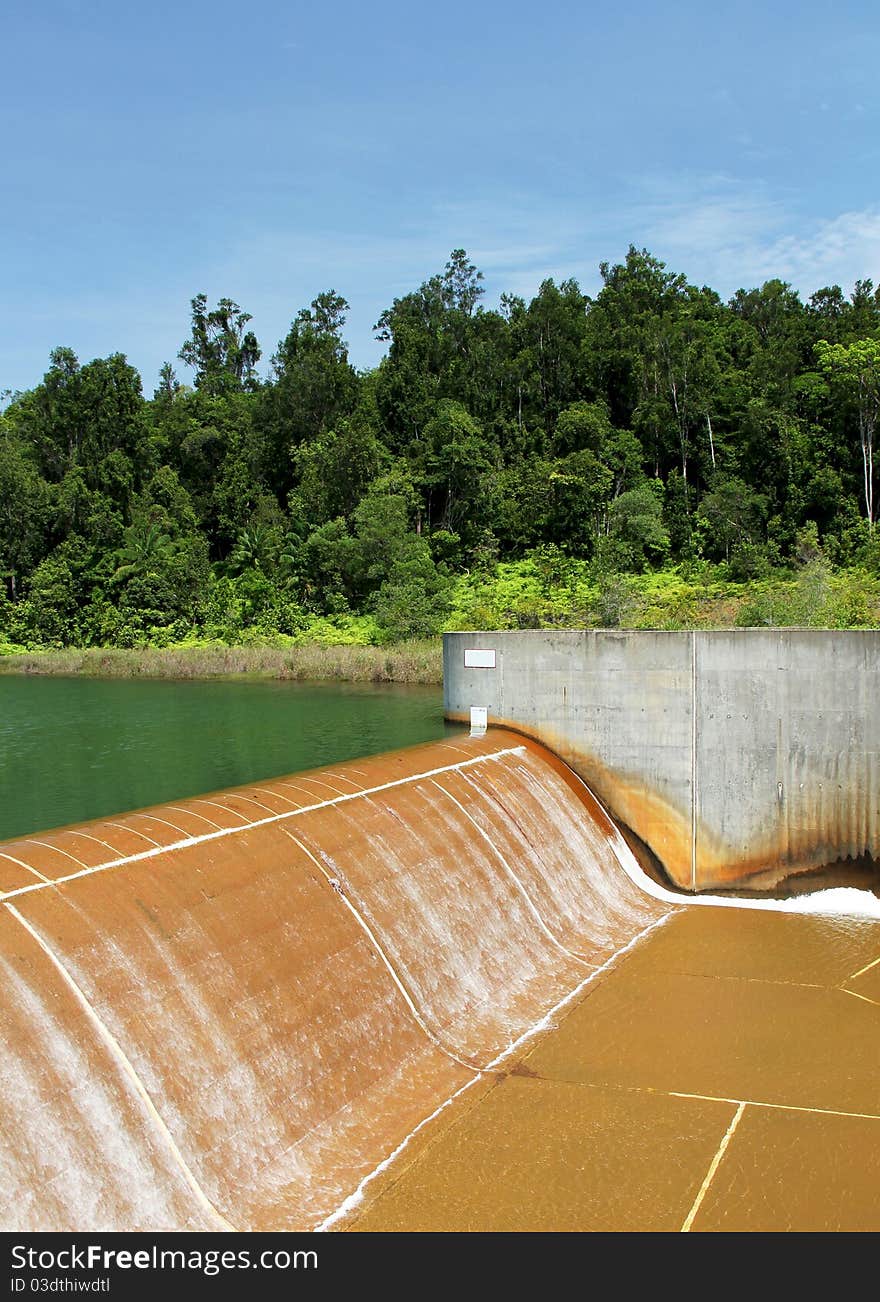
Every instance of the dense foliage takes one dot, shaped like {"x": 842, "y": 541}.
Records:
{"x": 565, "y": 443}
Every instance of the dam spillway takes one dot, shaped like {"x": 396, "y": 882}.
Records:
{"x": 225, "y": 1012}
{"x": 423, "y": 991}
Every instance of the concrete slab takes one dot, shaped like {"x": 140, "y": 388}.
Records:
{"x": 730, "y": 1038}
{"x": 547, "y": 1156}
{"x": 796, "y": 1171}
{"x": 678, "y": 1093}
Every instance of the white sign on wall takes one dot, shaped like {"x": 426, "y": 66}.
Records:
{"x": 479, "y": 658}
{"x": 479, "y": 719}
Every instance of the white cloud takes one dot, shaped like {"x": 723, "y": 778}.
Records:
{"x": 840, "y": 250}
{"x": 732, "y": 236}
{"x": 716, "y": 229}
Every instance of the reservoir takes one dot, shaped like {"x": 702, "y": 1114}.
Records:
{"x": 73, "y": 749}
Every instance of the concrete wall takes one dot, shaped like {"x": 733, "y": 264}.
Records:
{"x": 738, "y": 754}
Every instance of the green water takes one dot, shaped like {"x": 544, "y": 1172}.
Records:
{"x": 77, "y": 748}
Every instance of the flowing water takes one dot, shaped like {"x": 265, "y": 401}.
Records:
{"x": 72, "y": 749}
{"x": 265, "y": 991}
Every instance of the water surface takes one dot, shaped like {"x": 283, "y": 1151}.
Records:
{"x": 73, "y": 749}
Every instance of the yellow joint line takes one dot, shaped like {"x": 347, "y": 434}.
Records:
{"x": 863, "y": 970}
{"x": 856, "y": 995}
{"x": 713, "y": 1167}
{"x": 781, "y": 1107}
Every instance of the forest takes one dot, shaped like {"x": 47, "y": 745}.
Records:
{"x": 649, "y": 456}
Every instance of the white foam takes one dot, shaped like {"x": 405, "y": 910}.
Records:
{"x": 847, "y": 900}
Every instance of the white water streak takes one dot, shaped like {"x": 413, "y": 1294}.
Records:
{"x": 190, "y": 841}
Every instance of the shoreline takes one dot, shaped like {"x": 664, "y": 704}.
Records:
{"x": 419, "y": 663}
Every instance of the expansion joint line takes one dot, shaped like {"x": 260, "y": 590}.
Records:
{"x": 125, "y": 1064}
{"x": 863, "y": 970}
{"x": 844, "y": 985}
{"x": 855, "y": 994}
{"x": 713, "y": 1167}
{"x": 378, "y": 947}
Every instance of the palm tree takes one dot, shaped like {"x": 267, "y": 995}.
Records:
{"x": 144, "y": 547}
{"x": 253, "y": 550}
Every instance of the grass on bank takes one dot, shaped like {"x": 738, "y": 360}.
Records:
{"x": 407, "y": 662}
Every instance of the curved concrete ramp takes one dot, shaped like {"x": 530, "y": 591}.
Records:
{"x": 226, "y": 1013}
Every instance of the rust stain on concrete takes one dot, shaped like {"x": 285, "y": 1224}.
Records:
{"x": 692, "y": 856}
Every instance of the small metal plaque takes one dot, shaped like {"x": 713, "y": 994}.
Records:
{"x": 479, "y": 658}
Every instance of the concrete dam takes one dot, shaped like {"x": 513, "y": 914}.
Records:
{"x": 738, "y": 757}
{"x": 428, "y": 990}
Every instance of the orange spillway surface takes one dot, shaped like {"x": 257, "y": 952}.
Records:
{"x": 422, "y": 991}
{"x": 225, "y": 1013}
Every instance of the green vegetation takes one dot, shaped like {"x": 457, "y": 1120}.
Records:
{"x": 652, "y": 457}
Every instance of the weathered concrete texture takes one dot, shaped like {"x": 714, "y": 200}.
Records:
{"x": 736, "y": 756}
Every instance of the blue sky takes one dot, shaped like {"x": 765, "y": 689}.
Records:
{"x": 267, "y": 152}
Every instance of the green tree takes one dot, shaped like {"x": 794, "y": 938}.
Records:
{"x": 90, "y": 418}
{"x": 781, "y": 326}
{"x": 579, "y": 492}
{"x": 334, "y": 470}
{"x": 733, "y": 516}
{"x": 855, "y": 370}
{"x": 453, "y": 463}
{"x": 637, "y": 535}
{"x": 315, "y": 389}
{"x": 59, "y": 591}
{"x": 635, "y": 295}
{"x": 258, "y": 547}
{"x": 221, "y": 351}
{"x": 414, "y": 599}
{"x": 586, "y": 427}
{"x": 324, "y": 562}
{"x": 24, "y": 514}
{"x": 145, "y": 545}
{"x": 438, "y": 347}
{"x": 553, "y": 332}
